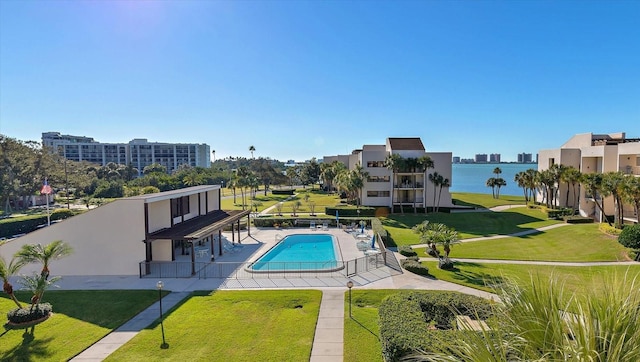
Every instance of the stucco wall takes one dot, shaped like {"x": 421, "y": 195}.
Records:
{"x": 105, "y": 241}
{"x": 159, "y": 215}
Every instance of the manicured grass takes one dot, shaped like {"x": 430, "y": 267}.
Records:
{"x": 267, "y": 325}
{"x": 361, "y": 334}
{"x": 468, "y": 225}
{"x": 321, "y": 199}
{"x": 80, "y": 319}
{"x": 483, "y": 275}
{"x": 261, "y": 201}
{"x": 573, "y": 243}
{"x": 485, "y": 200}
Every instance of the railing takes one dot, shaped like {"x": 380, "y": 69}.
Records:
{"x": 266, "y": 270}
{"x": 630, "y": 170}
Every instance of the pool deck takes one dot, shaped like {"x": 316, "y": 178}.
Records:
{"x": 329, "y": 335}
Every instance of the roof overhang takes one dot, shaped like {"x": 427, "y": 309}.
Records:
{"x": 201, "y": 226}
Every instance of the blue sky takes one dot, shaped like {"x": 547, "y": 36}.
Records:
{"x": 302, "y": 79}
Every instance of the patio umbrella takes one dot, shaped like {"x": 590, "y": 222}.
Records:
{"x": 373, "y": 241}
{"x": 337, "y": 218}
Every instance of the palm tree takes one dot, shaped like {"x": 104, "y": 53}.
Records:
{"x": 425, "y": 163}
{"x": 252, "y": 149}
{"x": 30, "y": 253}
{"x": 571, "y": 176}
{"x": 435, "y": 178}
{"x": 395, "y": 163}
{"x": 531, "y": 177}
{"x": 444, "y": 183}
{"x": 631, "y": 193}
{"x": 593, "y": 183}
{"x": 6, "y": 271}
{"x": 499, "y": 183}
{"x": 491, "y": 182}
{"x": 497, "y": 171}
{"x": 613, "y": 184}
{"x": 423, "y": 229}
{"x": 358, "y": 177}
{"x": 521, "y": 179}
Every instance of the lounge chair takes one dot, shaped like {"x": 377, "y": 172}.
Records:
{"x": 312, "y": 226}
{"x": 325, "y": 226}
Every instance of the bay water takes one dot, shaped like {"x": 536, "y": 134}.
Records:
{"x": 472, "y": 177}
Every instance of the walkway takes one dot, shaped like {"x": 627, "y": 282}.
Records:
{"x": 328, "y": 340}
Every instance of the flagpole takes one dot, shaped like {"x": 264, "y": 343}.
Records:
{"x": 48, "y": 216}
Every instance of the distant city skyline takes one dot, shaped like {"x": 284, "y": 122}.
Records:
{"x": 303, "y": 79}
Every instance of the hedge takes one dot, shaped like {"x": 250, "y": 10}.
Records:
{"x": 283, "y": 192}
{"x": 365, "y": 211}
{"x": 557, "y": 214}
{"x": 407, "y": 320}
{"x": 376, "y": 226}
{"x": 292, "y": 221}
{"x": 414, "y": 266}
{"x": 407, "y": 250}
{"x": 576, "y": 219}
{"x": 26, "y": 224}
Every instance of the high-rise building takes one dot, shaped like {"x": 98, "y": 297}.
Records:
{"x": 138, "y": 152}
{"x": 481, "y": 158}
{"x": 525, "y": 158}
{"x": 456, "y": 159}
{"x": 494, "y": 158}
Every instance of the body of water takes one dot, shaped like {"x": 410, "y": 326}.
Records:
{"x": 472, "y": 177}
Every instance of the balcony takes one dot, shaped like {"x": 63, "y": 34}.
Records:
{"x": 409, "y": 185}
{"x": 630, "y": 170}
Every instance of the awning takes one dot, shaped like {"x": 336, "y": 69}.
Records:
{"x": 201, "y": 226}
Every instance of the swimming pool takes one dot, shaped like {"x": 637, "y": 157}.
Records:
{"x": 300, "y": 252}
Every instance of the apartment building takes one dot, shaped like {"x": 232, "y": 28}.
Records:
{"x": 407, "y": 188}
{"x": 138, "y": 152}
{"x": 594, "y": 153}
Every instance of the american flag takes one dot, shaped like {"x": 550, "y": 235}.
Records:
{"x": 46, "y": 189}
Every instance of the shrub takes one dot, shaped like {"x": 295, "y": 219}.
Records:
{"x": 608, "y": 229}
{"x": 557, "y": 214}
{"x": 407, "y": 250}
{"x": 405, "y": 320}
{"x": 282, "y": 192}
{"x": 445, "y": 264}
{"x": 376, "y": 226}
{"x": 349, "y": 211}
{"x": 26, "y": 315}
{"x": 630, "y": 236}
{"x": 577, "y": 219}
{"x": 414, "y": 266}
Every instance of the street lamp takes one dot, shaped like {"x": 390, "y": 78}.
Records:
{"x": 350, "y": 285}
{"x": 159, "y": 285}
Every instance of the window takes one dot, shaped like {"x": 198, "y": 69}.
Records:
{"x": 180, "y": 207}
{"x": 378, "y": 193}
{"x": 375, "y": 164}
{"x": 378, "y": 179}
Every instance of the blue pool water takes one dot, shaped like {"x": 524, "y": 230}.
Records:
{"x": 300, "y": 252}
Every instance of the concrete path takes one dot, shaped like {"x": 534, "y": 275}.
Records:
{"x": 328, "y": 340}
{"x": 114, "y": 340}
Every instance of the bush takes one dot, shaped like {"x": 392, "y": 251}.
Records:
{"x": 26, "y": 224}
{"x": 26, "y": 315}
{"x": 630, "y": 236}
{"x": 577, "y": 219}
{"x": 558, "y": 214}
{"x": 350, "y": 211}
{"x": 407, "y": 250}
{"x": 406, "y": 318}
{"x": 282, "y": 192}
{"x": 376, "y": 226}
{"x": 609, "y": 230}
{"x": 414, "y": 266}
{"x": 445, "y": 264}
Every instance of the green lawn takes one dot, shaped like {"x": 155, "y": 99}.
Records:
{"x": 320, "y": 198}
{"x": 468, "y": 225}
{"x": 80, "y": 319}
{"x": 483, "y": 275}
{"x": 575, "y": 243}
{"x": 266, "y": 325}
{"x": 485, "y": 200}
{"x": 361, "y": 334}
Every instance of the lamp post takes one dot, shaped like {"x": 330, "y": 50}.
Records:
{"x": 350, "y": 285}
{"x": 159, "y": 285}
{"x": 222, "y": 187}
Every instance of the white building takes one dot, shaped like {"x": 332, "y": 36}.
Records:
{"x": 130, "y": 236}
{"x": 595, "y": 153}
{"x": 138, "y": 152}
{"x": 407, "y": 188}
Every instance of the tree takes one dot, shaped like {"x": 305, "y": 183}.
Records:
{"x": 491, "y": 182}
{"x": 295, "y": 206}
{"x": 593, "y": 183}
{"x": 312, "y": 207}
{"x": 310, "y": 173}
{"x": 571, "y": 176}
{"x": 252, "y": 149}
{"x": 279, "y": 208}
{"x": 395, "y": 163}
{"x": 631, "y": 193}
{"x": 357, "y": 178}
{"x": 6, "y": 271}
{"x": 154, "y": 168}
{"x": 424, "y": 164}
{"x": 443, "y": 183}
{"x": 436, "y": 179}
{"x": 500, "y": 182}
{"x": 630, "y": 238}
{"x": 613, "y": 184}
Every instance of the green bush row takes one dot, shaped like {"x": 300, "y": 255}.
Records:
{"x": 414, "y": 266}
{"x": 557, "y": 214}
{"x": 26, "y": 224}
{"x": 407, "y": 250}
{"x": 407, "y": 320}
{"x": 365, "y": 211}
{"x": 577, "y": 219}
{"x": 291, "y": 221}
{"x": 283, "y": 192}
